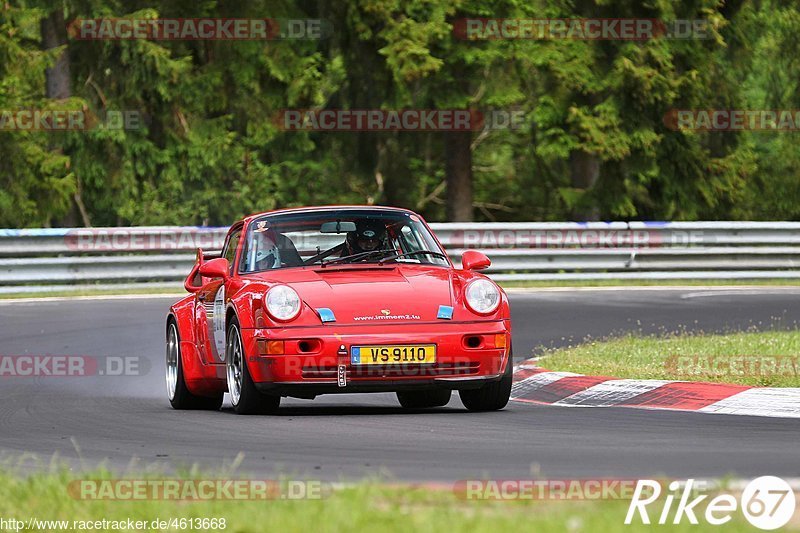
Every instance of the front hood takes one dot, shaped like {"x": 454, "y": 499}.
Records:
{"x": 373, "y": 295}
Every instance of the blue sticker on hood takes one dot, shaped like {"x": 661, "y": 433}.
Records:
{"x": 326, "y": 315}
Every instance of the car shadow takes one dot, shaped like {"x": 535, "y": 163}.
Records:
{"x": 357, "y": 410}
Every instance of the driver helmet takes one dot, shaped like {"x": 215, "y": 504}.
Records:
{"x": 266, "y": 252}
{"x": 368, "y": 236}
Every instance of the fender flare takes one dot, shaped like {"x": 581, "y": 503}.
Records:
{"x": 182, "y": 313}
{"x": 242, "y": 306}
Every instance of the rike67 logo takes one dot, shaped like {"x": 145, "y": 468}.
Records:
{"x": 767, "y": 502}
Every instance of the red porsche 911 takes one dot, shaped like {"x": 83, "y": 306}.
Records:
{"x": 324, "y": 300}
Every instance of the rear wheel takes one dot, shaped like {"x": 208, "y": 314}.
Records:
{"x": 491, "y": 397}
{"x": 424, "y": 398}
{"x": 245, "y": 398}
{"x": 178, "y": 393}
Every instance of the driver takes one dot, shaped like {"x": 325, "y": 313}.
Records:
{"x": 271, "y": 249}
{"x": 265, "y": 253}
{"x": 369, "y": 235}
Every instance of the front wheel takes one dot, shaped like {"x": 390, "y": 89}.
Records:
{"x": 424, "y": 399}
{"x": 178, "y": 393}
{"x": 245, "y": 398}
{"x": 491, "y": 397}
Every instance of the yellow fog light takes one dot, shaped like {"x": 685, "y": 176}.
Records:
{"x": 500, "y": 341}
{"x": 275, "y": 348}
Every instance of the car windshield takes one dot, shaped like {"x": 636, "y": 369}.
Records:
{"x": 339, "y": 236}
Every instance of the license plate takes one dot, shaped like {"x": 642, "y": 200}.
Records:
{"x": 393, "y": 354}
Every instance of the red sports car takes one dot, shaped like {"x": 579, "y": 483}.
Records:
{"x": 325, "y": 300}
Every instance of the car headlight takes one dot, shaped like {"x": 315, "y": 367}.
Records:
{"x": 482, "y": 296}
{"x": 283, "y": 303}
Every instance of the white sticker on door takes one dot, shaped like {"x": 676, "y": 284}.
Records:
{"x": 219, "y": 322}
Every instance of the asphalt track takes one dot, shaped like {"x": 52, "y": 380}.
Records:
{"x": 125, "y": 421}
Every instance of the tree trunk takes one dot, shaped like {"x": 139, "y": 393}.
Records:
{"x": 54, "y": 34}
{"x": 458, "y": 174}
{"x": 584, "y": 171}
{"x": 58, "y": 87}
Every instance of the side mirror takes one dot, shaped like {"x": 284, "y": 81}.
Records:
{"x": 216, "y": 268}
{"x": 474, "y": 260}
{"x": 194, "y": 282}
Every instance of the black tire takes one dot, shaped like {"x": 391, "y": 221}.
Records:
{"x": 183, "y": 399}
{"x": 491, "y": 397}
{"x": 249, "y": 400}
{"x": 424, "y": 399}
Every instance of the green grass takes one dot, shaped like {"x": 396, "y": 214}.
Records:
{"x": 731, "y": 358}
{"x": 366, "y": 506}
{"x": 94, "y": 292}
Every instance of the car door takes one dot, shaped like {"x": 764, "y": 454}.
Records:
{"x": 210, "y": 307}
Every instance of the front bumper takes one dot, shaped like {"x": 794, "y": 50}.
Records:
{"x": 316, "y": 360}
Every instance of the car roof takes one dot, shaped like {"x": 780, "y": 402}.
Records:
{"x": 248, "y": 218}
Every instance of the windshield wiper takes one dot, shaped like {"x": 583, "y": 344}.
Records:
{"x": 353, "y": 257}
{"x": 409, "y": 254}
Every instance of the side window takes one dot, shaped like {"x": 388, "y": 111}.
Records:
{"x": 229, "y": 252}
